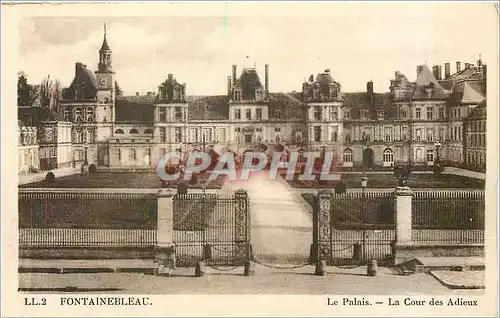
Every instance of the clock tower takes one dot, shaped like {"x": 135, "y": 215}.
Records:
{"x": 105, "y": 76}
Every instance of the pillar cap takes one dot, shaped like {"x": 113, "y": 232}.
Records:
{"x": 166, "y": 193}
{"x": 403, "y": 191}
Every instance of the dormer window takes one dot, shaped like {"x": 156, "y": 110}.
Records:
{"x": 363, "y": 114}
{"x": 380, "y": 114}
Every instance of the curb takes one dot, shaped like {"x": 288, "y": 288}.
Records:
{"x": 86, "y": 270}
{"x": 455, "y": 286}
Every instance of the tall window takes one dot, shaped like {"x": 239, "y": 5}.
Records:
{"x": 430, "y": 155}
{"x": 363, "y": 114}
{"x": 178, "y": 114}
{"x": 133, "y": 154}
{"x": 418, "y": 134}
{"x": 429, "y": 113}
{"x": 430, "y": 135}
{"x": 163, "y": 114}
{"x": 317, "y": 113}
{"x": 147, "y": 156}
{"x": 207, "y": 133}
{"x": 248, "y": 114}
{"x": 380, "y": 114}
{"x": 335, "y": 136}
{"x": 237, "y": 114}
{"x": 441, "y": 113}
{"x": 347, "y": 156}
{"x": 347, "y": 114}
{"x": 388, "y": 157}
{"x": 258, "y": 113}
{"x": 78, "y": 115}
{"x": 404, "y": 114}
{"x": 417, "y": 113}
{"x": 441, "y": 134}
{"x": 119, "y": 155}
{"x": 163, "y": 134}
{"x": 178, "y": 134}
{"x": 317, "y": 133}
{"x": 67, "y": 114}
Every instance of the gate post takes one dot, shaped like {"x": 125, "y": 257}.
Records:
{"x": 164, "y": 252}
{"x": 323, "y": 226}
{"x": 403, "y": 197}
{"x": 242, "y": 228}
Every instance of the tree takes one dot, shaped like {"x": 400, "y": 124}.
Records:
{"x": 118, "y": 90}
{"x": 25, "y": 91}
{"x": 50, "y": 93}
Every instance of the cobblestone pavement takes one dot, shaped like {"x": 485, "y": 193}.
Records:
{"x": 264, "y": 281}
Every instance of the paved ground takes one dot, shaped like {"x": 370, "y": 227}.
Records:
{"x": 465, "y": 173}
{"x": 39, "y": 176}
{"x": 281, "y": 228}
{"x": 461, "y": 280}
{"x": 264, "y": 281}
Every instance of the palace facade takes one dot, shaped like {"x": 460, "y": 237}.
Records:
{"x": 436, "y": 117}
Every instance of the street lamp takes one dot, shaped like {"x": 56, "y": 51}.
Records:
{"x": 437, "y": 166}
{"x": 364, "y": 184}
{"x": 437, "y": 144}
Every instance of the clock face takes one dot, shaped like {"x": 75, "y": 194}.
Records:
{"x": 103, "y": 80}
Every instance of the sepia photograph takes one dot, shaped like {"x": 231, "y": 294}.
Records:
{"x": 253, "y": 149}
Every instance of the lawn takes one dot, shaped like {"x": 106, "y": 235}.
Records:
{"x": 115, "y": 180}
{"x": 389, "y": 181}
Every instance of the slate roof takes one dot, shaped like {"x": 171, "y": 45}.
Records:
{"x": 288, "y": 105}
{"x": 248, "y": 82}
{"x": 208, "y": 107}
{"x": 426, "y": 81}
{"x": 135, "y": 108}
{"x": 358, "y": 101}
{"x": 104, "y": 46}
{"x": 84, "y": 79}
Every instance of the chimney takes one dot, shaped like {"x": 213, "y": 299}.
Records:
{"x": 458, "y": 67}
{"x": 229, "y": 85}
{"x": 447, "y": 71}
{"x": 234, "y": 74}
{"x": 419, "y": 69}
{"x": 437, "y": 70}
{"x": 78, "y": 67}
{"x": 467, "y": 65}
{"x": 369, "y": 93}
{"x": 266, "y": 79}
{"x": 479, "y": 62}
{"x": 485, "y": 82}
{"x": 136, "y": 93}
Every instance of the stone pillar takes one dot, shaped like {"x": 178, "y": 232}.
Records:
{"x": 324, "y": 209}
{"x": 403, "y": 216}
{"x": 164, "y": 253}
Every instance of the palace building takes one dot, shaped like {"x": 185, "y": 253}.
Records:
{"x": 417, "y": 122}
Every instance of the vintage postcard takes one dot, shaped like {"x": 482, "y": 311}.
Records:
{"x": 250, "y": 159}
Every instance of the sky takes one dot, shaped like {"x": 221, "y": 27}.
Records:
{"x": 358, "y": 44}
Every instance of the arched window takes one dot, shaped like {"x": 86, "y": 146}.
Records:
{"x": 148, "y": 131}
{"x": 133, "y": 131}
{"x": 347, "y": 156}
{"x": 78, "y": 115}
{"x": 119, "y": 131}
{"x": 388, "y": 157}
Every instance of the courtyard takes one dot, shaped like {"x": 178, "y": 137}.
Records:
{"x": 149, "y": 179}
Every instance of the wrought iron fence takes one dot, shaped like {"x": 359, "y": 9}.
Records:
{"x": 361, "y": 227}
{"x": 76, "y": 217}
{"x": 448, "y": 217}
{"x": 212, "y": 228}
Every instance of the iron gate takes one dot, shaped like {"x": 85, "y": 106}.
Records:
{"x": 352, "y": 228}
{"x": 213, "y": 228}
